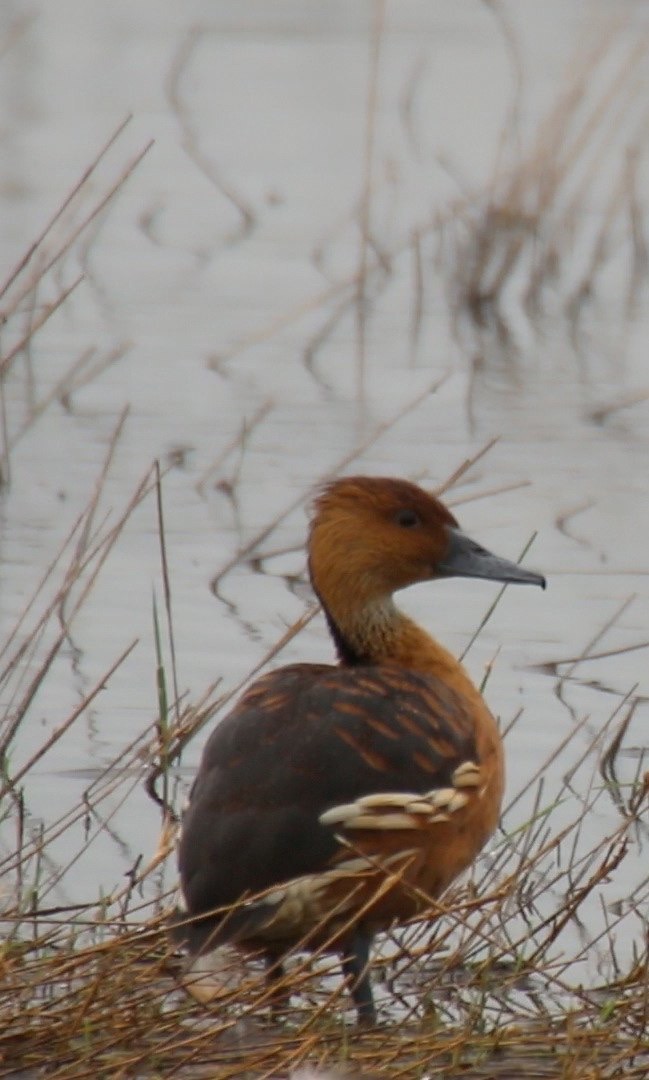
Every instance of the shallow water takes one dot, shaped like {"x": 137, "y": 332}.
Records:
{"x": 220, "y": 279}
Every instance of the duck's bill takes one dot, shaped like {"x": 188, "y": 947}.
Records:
{"x": 466, "y": 558}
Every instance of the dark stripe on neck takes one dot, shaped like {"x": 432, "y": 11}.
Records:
{"x": 347, "y": 655}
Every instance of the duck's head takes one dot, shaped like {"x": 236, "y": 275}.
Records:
{"x": 371, "y": 536}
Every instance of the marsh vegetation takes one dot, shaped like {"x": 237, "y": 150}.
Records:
{"x": 196, "y": 332}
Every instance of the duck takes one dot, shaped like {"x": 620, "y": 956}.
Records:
{"x": 339, "y": 800}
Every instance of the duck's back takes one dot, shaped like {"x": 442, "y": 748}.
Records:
{"x": 309, "y": 752}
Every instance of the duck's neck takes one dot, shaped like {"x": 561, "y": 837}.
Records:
{"x": 381, "y": 634}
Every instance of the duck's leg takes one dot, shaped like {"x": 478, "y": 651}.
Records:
{"x": 279, "y": 994}
{"x": 355, "y": 965}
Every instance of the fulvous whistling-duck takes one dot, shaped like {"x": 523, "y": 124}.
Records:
{"x": 352, "y": 793}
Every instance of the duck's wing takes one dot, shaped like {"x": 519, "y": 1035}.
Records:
{"x": 311, "y": 751}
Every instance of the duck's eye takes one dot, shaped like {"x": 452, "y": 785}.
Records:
{"x": 407, "y": 519}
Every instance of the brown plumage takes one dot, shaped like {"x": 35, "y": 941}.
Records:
{"x": 354, "y": 793}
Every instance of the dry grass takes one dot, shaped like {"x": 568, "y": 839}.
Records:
{"x": 560, "y": 209}
{"x": 32, "y": 293}
{"x": 97, "y": 991}
{"x": 559, "y": 223}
